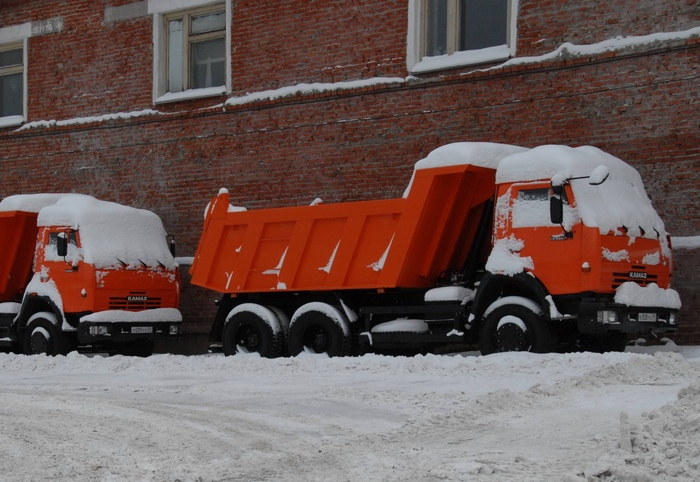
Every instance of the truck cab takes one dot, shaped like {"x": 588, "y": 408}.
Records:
{"x": 85, "y": 273}
{"x": 577, "y": 235}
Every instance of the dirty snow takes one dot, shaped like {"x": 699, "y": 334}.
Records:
{"x": 519, "y": 416}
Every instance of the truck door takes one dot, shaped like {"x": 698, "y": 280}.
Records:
{"x": 65, "y": 271}
{"x": 555, "y": 249}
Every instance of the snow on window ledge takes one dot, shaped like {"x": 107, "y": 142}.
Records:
{"x": 191, "y": 94}
{"x": 11, "y": 121}
{"x": 461, "y": 59}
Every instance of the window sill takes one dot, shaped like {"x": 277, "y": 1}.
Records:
{"x": 461, "y": 59}
{"x": 191, "y": 94}
{"x": 11, "y": 121}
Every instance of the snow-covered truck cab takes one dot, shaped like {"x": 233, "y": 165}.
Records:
{"x": 103, "y": 275}
{"x": 577, "y": 241}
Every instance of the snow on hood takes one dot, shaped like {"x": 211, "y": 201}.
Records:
{"x": 109, "y": 231}
{"x": 619, "y": 201}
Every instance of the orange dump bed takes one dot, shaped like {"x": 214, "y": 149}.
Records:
{"x": 404, "y": 242}
{"x": 18, "y": 232}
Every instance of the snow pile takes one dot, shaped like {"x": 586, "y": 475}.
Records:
{"x": 568, "y": 50}
{"x": 449, "y": 293}
{"x": 480, "y": 154}
{"x": 316, "y": 87}
{"x": 111, "y": 234}
{"x": 9, "y": 308}
{"x": 505, "y": 258}
{"x": 30, "y": 203}
{"x": 90, "y": 119}
{"x": 153, "y": 315}
{"x": 402, "y": 325}
{"x": 619, "y": 205}
{"x": 631, "y": 294}
{"x": 686, "y": 242}
{"x": 513, "y": 416}
{"x": 664, "y": 445}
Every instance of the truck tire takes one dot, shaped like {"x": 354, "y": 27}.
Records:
{"x": 42, "y": 337}
{"x": 251, "y": 330}
{"x": 323, "y": 331}
{"x": 514, "y": 327}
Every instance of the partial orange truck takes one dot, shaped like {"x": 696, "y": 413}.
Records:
{"x": 79, "y": 272}
{"x": 513, "y": 249}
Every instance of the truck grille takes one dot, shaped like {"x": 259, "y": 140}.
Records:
{"x": 637, "y": 274}
{"x": 134, "y": 301}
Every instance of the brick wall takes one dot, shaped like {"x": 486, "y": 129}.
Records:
{"x": 641, "y": 105}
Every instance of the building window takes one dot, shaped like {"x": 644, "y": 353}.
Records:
{"x": 192, "y": 49}
{"x": 451, "y": 33}
{"x": 196, "y": 49}
{"x": 11, "y": 80}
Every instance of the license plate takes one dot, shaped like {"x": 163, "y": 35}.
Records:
{"x": 141, "y": 329}
{"x": 647, "y": 317}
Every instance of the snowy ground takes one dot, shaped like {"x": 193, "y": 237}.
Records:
{"x": 510, "y": 417}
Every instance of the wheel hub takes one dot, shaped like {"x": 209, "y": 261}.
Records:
{"x": 39, "y": 344}
{"x": 511, "y": 337}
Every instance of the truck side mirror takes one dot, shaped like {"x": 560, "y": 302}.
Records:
{"x": 62, "y": 245}
{"x": 556, "y": 209}
{"x": 171, "y": 243}
{"x": 598, "y": 176}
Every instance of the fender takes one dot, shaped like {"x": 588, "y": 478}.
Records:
{"x": 494, "y": 286}
{"x": 34, "y": 304}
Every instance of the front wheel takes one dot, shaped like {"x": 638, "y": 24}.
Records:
{"x": 43, "y": 337}
{"x": 514, "y": 327}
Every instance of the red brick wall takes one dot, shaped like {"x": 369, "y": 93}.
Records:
{"x": 640, "y": 105}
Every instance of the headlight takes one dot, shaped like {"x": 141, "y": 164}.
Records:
{"x": 607, "y": 316}
{"x": 672, "y": 319}
{"x": 174, "y": 330}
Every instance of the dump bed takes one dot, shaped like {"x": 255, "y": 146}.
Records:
{"x": 405, "y": 242}
{"x": 17, "y": 242}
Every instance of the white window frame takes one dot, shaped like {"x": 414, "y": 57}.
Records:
{"x": 161, "y": 9}
{"x": 417, "y": 62}
{"x": 15, "y": 36}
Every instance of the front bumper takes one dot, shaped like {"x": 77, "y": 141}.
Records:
{"x": 115, "y": 326}
{"x": 599, "y": 317}
{"x": 115, "y": 332}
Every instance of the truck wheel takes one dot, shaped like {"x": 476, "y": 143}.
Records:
{"x": 514, "y": 327}
{"x": 321, "y": 330}
{"x": 283, "y": 321}
{"x": 252, "y": 329}
{"x": 42, "y": 337}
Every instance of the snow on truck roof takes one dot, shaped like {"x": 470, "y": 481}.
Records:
{"x": 620, "y": 201}
{"x": 30, "y": 203}
{"x": 108, "y": 230}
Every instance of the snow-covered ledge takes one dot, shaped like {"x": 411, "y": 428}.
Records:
{"x": 685, "y": 242}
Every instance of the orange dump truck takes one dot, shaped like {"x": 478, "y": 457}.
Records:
{"x": 76, "y": 271}
{"x": 511, "y": 248}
